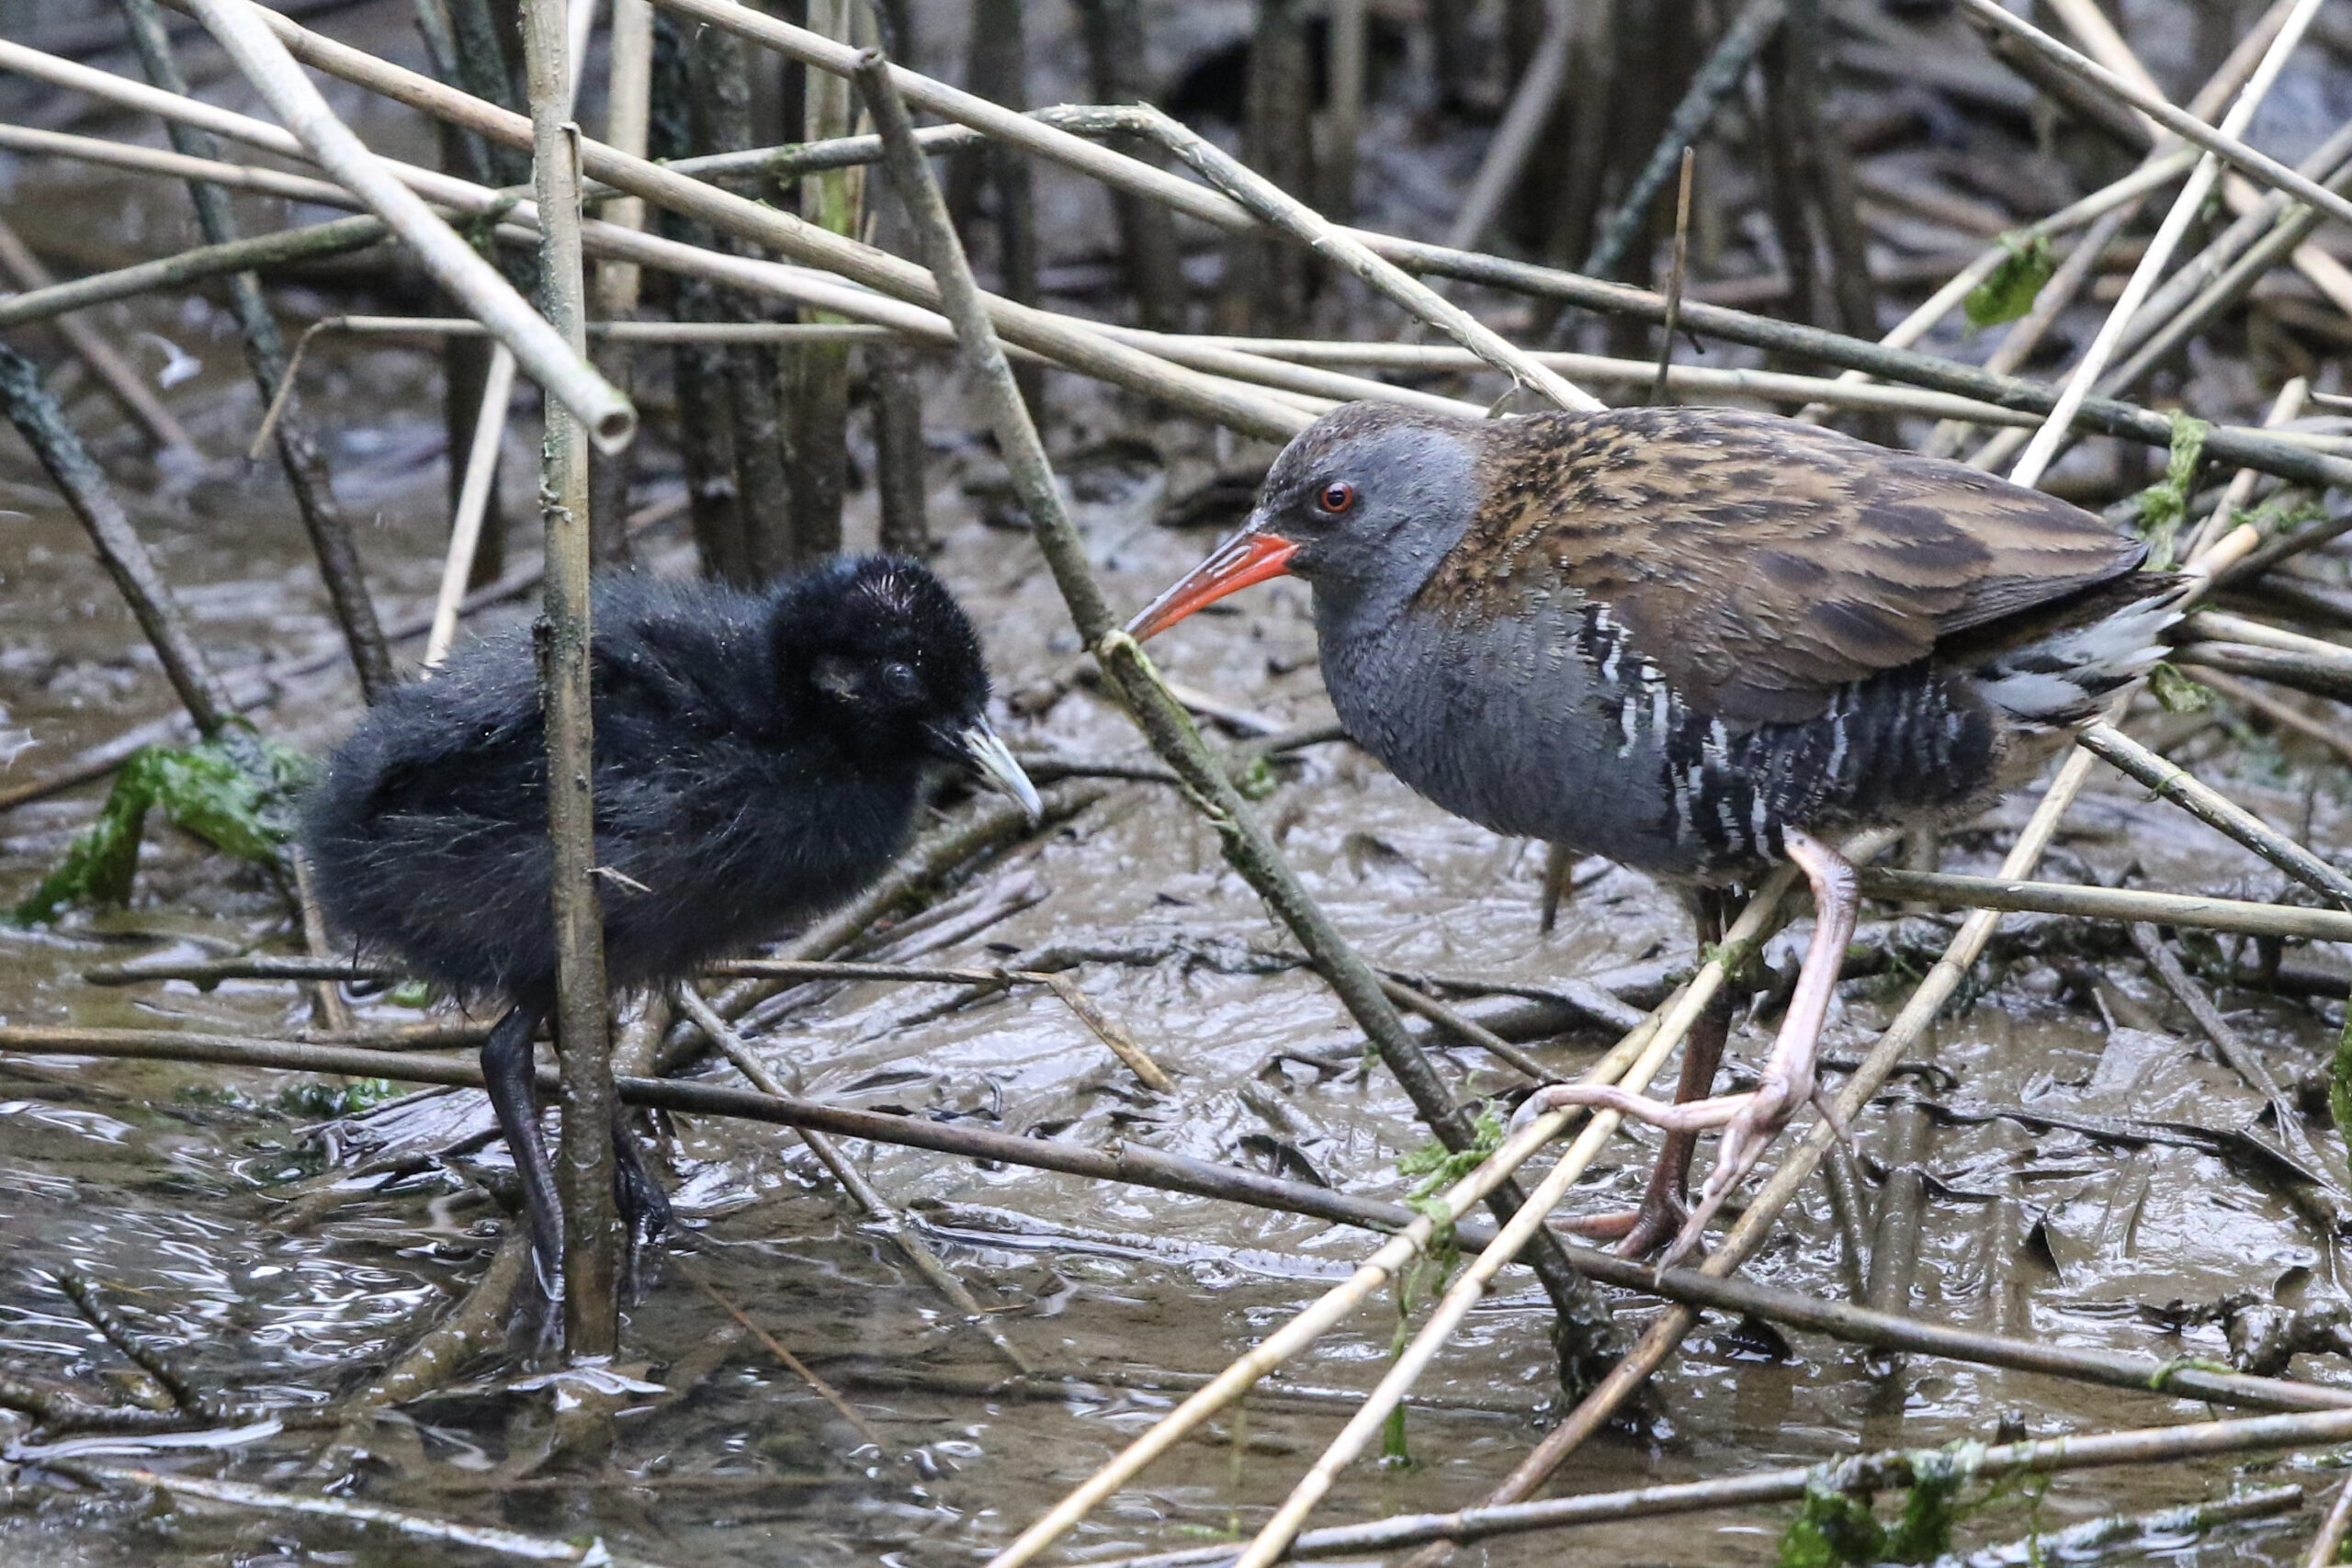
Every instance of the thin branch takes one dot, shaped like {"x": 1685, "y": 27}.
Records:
{"x": 2186, "y": 208}
{"x": 861, "y": 1191}
{"x": 120, "y": 550}
{"x": 562, "y": 637}
{"x": 2187, "y": 911}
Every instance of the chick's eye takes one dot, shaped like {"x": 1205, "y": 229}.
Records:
{"x": 1335, "y": 497}
{"x": 899, "y": 679}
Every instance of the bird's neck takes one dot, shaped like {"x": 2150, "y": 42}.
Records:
{"x": 1363, "y": 597}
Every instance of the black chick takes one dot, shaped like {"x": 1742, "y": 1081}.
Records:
{"x": 758, "y": 758}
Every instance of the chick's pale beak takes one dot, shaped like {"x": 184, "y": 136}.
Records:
{"x": 989, "y": 753}
{"x": 1251, "y": 555}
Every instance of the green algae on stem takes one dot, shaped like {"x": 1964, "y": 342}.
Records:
{"x": 235, "y": 791}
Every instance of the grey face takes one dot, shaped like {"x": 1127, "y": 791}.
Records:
{"x": 1364, "y": 504}
{"x": 1373, "y": 497}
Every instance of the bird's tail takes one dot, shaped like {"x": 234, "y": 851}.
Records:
{"x": 2064, "y": 673}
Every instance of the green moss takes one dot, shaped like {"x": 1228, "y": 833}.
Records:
{"x": 1425, "y": 1275}
{"x": 2012, "y": 286}
{"x": 1257, "y": 779}
{"x": 2177, "y": 692}
{"x": 235, "y": 791}
{"x": 325, "y": 1097}
{"x": 1836, "y": 1524}
{"x": 2164, "y": 504}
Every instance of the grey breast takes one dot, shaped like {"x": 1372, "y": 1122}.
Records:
{"x": 1539, "y": 724}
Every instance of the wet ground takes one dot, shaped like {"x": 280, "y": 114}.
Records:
{"x": 168, "y": 1186}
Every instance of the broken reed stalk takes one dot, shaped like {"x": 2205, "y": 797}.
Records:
{"x": 177, "y": 166}
{"x": 2073, "y": 273}
{"x": 1675, "y": 272}
{"x": 1304, "y": 1328}
{"x": 473, "y": 502}
{"x": 1035, "y": 134}
{"x": 305, "y": 465}
{"x": 2169, "y": 781}
{"x": 1584, "y": 1331}
{"x": 1280, "y": 210}
{"x": 1463, "y": 1029}
{"x": 1141, "y": 1166}
{"x": 332, "y": 239}
{"x": 242, "y": 30}
{"x": 1860, "y": 1472}
{"x": 2187, "y": 912}
{"x": 2105, "y": 415}
{"x": 1078, "y": 344}
{"x": 861, "y": 1191}
{"x": 2185, "y": 209}
{"x": 84, "y": 485}
{"x": 592, "y": 1240}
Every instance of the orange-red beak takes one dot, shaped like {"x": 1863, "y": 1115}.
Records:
{"x": 1249, "y": 556}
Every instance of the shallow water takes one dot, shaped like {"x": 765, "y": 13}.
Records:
{"x": 167, "y": 1185}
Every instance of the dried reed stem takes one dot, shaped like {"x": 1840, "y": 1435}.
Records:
{"x": 562, "y": 635}
{"x": 2048, "y": 1456}
{"x": 241, "y": 30}
{"x": 2125, "y": 905}
{"x": 84, "y": 485}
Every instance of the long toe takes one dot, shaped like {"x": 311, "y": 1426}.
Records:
{"x": 644, "y": 1206}
{"x": 1660, "y": 1217}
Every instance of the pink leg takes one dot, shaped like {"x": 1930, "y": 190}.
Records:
{"x": 1750, "y": 1120}
{"x": 1788, "y": 1079}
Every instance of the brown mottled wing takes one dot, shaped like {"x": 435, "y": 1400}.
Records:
{"x": 1760, "y": 563}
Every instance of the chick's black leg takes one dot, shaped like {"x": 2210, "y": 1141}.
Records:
{"x": 644, "y": 1207}
{"x": 507, "y": 1072}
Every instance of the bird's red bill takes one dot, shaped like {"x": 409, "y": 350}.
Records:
{"x": 1244, "y": 559}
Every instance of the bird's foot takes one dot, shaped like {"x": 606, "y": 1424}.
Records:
{"x": 1686, "y": 1116}
{"x": 1637, "y": 1232}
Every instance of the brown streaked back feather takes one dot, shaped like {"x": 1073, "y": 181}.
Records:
{"x": 1760, "y": 563}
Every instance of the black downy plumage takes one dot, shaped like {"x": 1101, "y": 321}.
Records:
{"x": 759, "y": 757}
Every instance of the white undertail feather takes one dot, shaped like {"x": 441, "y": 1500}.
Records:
{"x": 2062, "y": 678}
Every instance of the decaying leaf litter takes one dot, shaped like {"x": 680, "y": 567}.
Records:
{"x": 2060, "y": 1165}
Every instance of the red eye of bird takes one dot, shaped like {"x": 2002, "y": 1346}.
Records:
{"x": 1337, "y": 496}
